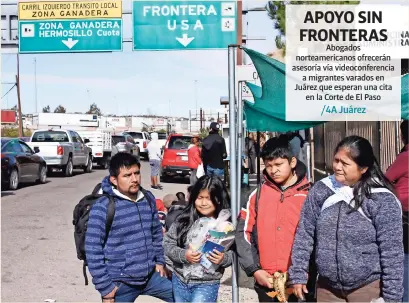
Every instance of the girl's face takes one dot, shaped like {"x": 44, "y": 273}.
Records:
{"x": 204, "y": 204}
{"x": 345, "y": 169}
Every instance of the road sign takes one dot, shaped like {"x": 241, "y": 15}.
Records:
{"x": 53, "y": 10}
{"x": 175, "y": 25}
{"x": 247, "y": 73}
{"x": 54, "y": 36}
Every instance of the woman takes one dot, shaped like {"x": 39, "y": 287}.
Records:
{"x": 398, "y": 174}
{"x": 191, "y": 282}
{"x": 194, "y": 158}
{"x": 354, "y": 222}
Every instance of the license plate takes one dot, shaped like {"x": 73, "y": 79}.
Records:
{"x": 184, "y": 158}
{"x": 178, "y": 171}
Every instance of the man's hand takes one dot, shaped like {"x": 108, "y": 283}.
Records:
{"x": 110, "y": 298}
{"x": 216, "y": 257}
{"x": 161, "y": 270}
{"x": 192, "y": 256}
{"x": 262, "y": 278}
{"x": 300, "y": 290}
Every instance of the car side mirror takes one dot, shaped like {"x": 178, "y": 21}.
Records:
{"x": 36, "y": 150}
{"x": 86, "y": 141}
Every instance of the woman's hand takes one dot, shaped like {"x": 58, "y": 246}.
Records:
{"x": 192, "y": 256}
{"x": 300, "y": 290}
{"x": 216, "y": 257}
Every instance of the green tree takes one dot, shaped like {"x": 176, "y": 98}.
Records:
{"x": 276, "y": 12}
{"x": 204, "y": 132}
{"x": 94, "y": 109}
{"x": 60, "y": 109}
{"x": 161, "y": 131}
{"x": 46, "y": 109}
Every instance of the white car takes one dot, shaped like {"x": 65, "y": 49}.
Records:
{"x": 142, "y": 139}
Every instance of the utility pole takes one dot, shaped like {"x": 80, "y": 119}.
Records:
{"x": 20, "y": 118}
{"x": 35, "y": 84}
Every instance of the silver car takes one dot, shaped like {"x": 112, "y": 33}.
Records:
{"x": 124, "y": 143}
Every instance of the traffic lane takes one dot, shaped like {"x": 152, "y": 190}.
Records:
{"x": 39, "y": 259}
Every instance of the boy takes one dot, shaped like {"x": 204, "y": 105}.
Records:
{"x": 267, "y": 224}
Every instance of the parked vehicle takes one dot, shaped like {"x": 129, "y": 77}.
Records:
{"x": 20, "y": 164}
{"x": 175, "y": 158}
{"x": 142, "y": 139}
{"x": 62, "y": 149}
{"x": 100, "y": 141}
{"x": 124, "y": 143}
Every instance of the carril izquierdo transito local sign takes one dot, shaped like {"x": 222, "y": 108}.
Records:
{"x": 76, "y": 26}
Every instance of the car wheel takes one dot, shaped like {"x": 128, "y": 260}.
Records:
{"x": 14, "y": 179}
{"x": 42, "y": 175}
{"x": 164, "y": 179}
{"x": 105, "y": 164}
{"x": 88, "y": 168}
{"x": 49, "y": 170}
{"x": 68, "y": 169}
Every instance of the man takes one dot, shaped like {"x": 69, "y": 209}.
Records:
{"x": 398, "y": 174}
{"x": 251, "y": 154}
{"x": 214, "y": 152}
{"x": 155, "y": 157}
{"x": 132, "y": 262}
{"x": 267, "y": 224}
{"x": 194, "y": 159}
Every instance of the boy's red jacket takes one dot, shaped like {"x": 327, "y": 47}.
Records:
{"x": 266, "y": 242}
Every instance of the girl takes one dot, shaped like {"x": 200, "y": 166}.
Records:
{"x": 354, "y": 222}
{"x": 191, "y": 282}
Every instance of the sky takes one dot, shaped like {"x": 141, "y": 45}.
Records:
{"x": 129, "y": 82}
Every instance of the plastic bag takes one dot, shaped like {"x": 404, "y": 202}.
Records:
{"x": 200, "y": 171}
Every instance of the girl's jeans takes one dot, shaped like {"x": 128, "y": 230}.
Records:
{"x": 194, "y": 292}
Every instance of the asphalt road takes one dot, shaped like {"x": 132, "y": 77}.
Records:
{"x": 39, "y": 260}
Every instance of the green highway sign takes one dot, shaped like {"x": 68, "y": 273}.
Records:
{"x": 68, "y": 36}
{"x": 176, "y": 25}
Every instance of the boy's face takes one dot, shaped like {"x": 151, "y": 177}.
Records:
{"x": 280, "y": 169}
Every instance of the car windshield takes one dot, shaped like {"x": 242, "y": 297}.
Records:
{"x": 135, "y": 135}
{"x": 3, "y": 142}
{"x": 50, "y": 136}
{"x": 118, "y": 139}
{"x": 179, "y": 142}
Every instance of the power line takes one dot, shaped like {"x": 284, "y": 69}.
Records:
{"x": 8, "y": 91}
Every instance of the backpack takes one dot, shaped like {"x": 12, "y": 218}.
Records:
{"x": 81, "y": 217}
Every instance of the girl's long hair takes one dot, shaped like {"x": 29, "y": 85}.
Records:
{"x": 361, "y": 152}
{"x": 218, "y": 195}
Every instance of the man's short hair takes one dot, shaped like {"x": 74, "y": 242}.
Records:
{"x": 120, "y": 160}
{"x": 277, "y": 147}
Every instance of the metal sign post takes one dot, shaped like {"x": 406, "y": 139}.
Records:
{"x": 233, "y": 160}
{"x": 239, "y": 141}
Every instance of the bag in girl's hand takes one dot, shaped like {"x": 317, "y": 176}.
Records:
{"x": 200, "y": 171}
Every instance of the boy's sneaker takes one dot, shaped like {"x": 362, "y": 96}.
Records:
{"x": 159, "y": 186}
